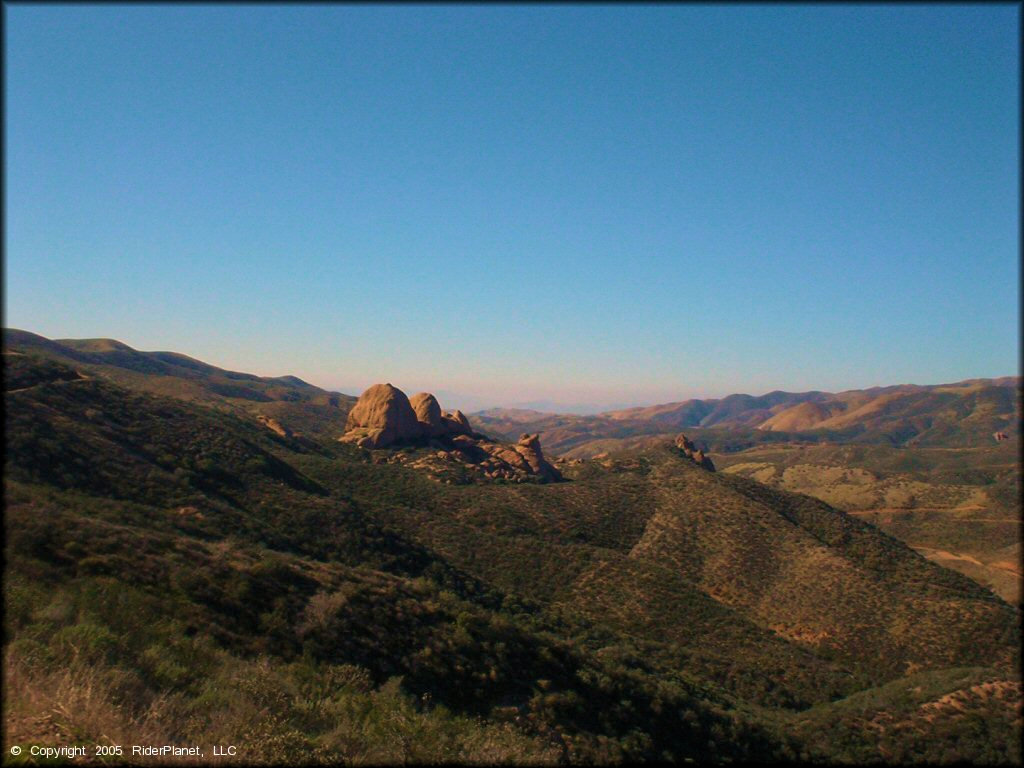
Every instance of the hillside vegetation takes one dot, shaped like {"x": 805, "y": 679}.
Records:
{"x": 307, "y": 409}
{"x": 177, "y": 570}
{"x": 920, "y": 462}
{"x": 959, "y": 507}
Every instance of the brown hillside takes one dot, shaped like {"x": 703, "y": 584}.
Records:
{"x": 798, "y": 418}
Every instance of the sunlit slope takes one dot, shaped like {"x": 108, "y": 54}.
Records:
{"x": 949, "y": 415}
{"x": 959, "y": 507}
{"x": 798, "y": 418}
{"x": 919, "y": 415}
{"x": 301, "y": 407}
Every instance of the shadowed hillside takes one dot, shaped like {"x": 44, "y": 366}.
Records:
{"x": 177, "y": 567}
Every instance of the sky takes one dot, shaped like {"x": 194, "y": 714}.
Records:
{"x": 574, "y": 205}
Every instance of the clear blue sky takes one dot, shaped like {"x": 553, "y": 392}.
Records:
{"x": 600, "y": 204}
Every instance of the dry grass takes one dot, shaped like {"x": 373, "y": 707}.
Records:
{"x": 255, "y": 708}
{"x": 85, "y": 705}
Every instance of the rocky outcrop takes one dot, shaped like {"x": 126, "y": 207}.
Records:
{"x": 382, "y": 416}
{"x": 456, "y": 423}
{"x": 529, "y": 448}
{"x": 428, "y": 414}
{"x": 505, "y": 454}
{"x": 693, "y": 453}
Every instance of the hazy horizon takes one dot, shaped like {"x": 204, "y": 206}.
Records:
{"x": 469, "y": 401}
{"x": 585, "y": 206}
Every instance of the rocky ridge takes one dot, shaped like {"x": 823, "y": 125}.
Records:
{"x": 383, "y": 417}
{"x": 693, "y": 453}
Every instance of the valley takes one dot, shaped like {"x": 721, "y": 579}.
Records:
{"x": 512, "y": 384}
{"x": 951, "y": 491}
{"x": 206, "y": 562}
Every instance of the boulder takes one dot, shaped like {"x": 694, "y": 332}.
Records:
{"x": 428, "y": 414}
{"x": 456, "y": 423}
{"x": 693, "y": 453}
{"x": 468, "y": 449}
{"x": 529, "y": 448}
{"x": 369, "y": 439}
{"x": 507, "y": 455}
{"x": 683, "y": 443}
{"x": 382, "y": 415}
{"x": 703, "y": 461}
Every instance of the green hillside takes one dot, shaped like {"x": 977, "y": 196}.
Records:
{"x": 179, "y": 571}
{"x": 959, "y": 507}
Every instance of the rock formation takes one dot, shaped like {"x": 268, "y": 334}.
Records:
{"x": 428, "y": 413}
{"x": 456, "y": 422}
{"x": 529, "y": 448}
{"x": 693, "y": 453}
{"x": 383, "y": 416}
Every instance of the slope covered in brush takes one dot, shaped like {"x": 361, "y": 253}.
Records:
{"x": 304, "y": 408}
{"x": 188, "y": 565}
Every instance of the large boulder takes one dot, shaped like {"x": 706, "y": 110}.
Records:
{"x": 703, "y": 461}
{"x": 428, "y": 413}
{"x": 456, "y": 423}
{"x": 529, "y": 448}
{"x": 507, "y": 456}
{"x": 683, "y": 444}
{"x": 382, "y": 415}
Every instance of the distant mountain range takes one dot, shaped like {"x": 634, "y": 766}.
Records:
{"x": 957, "y": 414}
{"x": 552, "y": 406}
{"x": 965, "y": 412}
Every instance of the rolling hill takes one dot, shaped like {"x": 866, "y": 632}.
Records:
{"x": 959, "y": 507}
{"x": 946, "y": 415}
{"x": 179, "y": 569}
{"x": 304, "y": 408}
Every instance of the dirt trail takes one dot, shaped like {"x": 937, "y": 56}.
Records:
{"x": 61, "y": 381}
{"x": 950, "y": 510}
{"x": 932, "y": 553}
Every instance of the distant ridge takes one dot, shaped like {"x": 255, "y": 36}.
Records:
{"x": 288, "y": 400}
{"x": 957, "y": 414}
{"x": 115, "y": 354}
